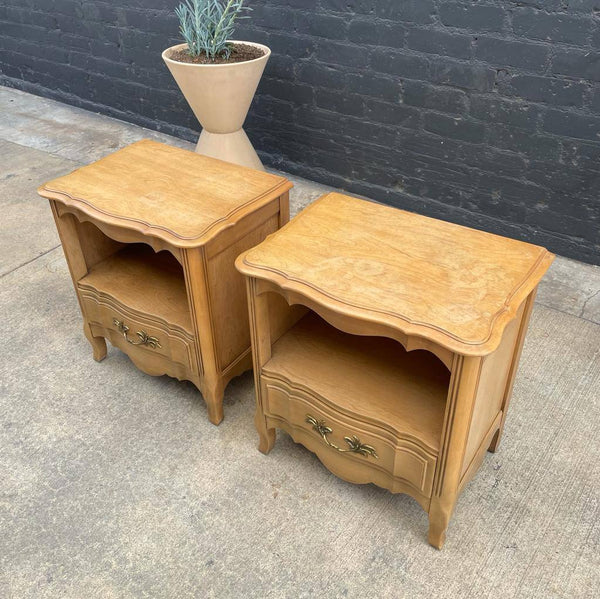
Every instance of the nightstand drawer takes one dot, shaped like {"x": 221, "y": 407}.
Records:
{"x": 137, "y": 335}
{"x": 331, "y": 433}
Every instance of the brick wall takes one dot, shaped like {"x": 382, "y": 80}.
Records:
{"x": 485, "y": 113}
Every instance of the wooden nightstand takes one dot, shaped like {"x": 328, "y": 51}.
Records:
{"x": 387, "y": 343}
{"x": 150, "y": 234}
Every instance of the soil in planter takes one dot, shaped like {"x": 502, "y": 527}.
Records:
{"x": 239, "y": 53}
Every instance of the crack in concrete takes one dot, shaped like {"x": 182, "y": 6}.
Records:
{"x": 586, "y": 303}
{"x": 538, "y": 303}
{"x": 4, "y": 274}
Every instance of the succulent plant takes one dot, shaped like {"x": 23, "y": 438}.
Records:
{"x": 206, "y": 25}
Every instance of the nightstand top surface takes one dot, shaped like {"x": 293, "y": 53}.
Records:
{"x": 452, "y": 285}
{"x": 166, "y": 192}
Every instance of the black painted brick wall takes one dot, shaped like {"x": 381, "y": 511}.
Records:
{"x": 485, "y": 113}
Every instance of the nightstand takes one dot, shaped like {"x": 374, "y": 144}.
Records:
{"x": 387, "y": 343}
{"x": 150, "y": 234}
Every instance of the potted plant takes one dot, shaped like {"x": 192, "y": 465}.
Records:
{"x": 218, "y": 76}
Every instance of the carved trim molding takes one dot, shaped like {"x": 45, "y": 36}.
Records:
{"x": 453, "y": 342}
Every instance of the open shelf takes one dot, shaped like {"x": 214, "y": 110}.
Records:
{"x": 373, "y": 378}
{"x": 144, "y": 281}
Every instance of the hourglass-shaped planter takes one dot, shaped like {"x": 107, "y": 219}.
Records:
{"x": 220, "y": 96}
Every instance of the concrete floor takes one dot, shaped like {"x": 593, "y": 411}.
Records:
{"x": 114, "y": 484}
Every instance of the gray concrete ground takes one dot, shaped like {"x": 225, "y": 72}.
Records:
{"x": 114, "y": 483}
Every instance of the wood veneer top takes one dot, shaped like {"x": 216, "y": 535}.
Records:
{"x": 456, "y": 286}
{"x": 166, "y": 192}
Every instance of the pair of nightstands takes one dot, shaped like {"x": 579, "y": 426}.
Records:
{"x": 385, "y": 342}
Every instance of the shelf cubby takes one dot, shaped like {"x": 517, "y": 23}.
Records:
{"x": 373, "y": 378}
{"x": 145, "y": 281}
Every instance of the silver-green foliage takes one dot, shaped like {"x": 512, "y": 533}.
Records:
{"x": 206, "y": 25}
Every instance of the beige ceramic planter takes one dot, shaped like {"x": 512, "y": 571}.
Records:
{"x": 220, "y": 96}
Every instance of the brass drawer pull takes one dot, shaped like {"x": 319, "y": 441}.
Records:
{"x": 355, "y": 446}
{"x": 145, "y": 339}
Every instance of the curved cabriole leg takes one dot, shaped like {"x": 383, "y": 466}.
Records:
{"x": 215, "y": 413}
{"x": 495, "y": 441}
{"x": 436, "y": 535}
{"x": 266, "y": 435}
{"x": 98, "y": 344}
{"x": 214, "y": 403}
{"x": 440, "y": 513}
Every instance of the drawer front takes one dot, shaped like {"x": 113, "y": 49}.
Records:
{"x": 141, "y": 337}
{"x": 340, "y": 433}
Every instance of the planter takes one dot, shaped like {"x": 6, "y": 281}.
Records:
{"x": 220, "y": 96}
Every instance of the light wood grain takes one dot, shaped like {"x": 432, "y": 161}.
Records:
{"x": 401, "y": 465}
{"x": 466, "y": 371}
{"x": 452, "y": 285}
{"x": 145, "y": 282}
{"x": 161, "y": 191}
{"x": 151, "y": 233}
{"x": 78, "y": 263}
{"x": 491, "y": 389}
{"x": 458, "y": 302}
{"x": 174, "y": 344}
{"x": 373, "y": 378}
{"x": 228, "y": 294}
{"x": 514, "y": 365}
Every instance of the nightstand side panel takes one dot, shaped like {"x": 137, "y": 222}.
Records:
{"x": 491, "y": 390}
{"x": 227, "y": 294}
